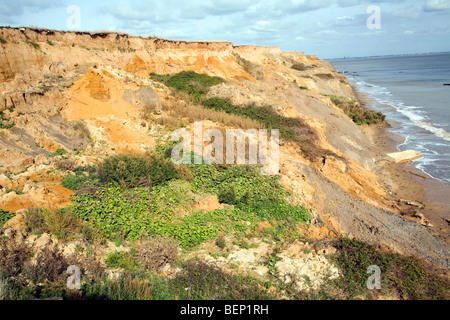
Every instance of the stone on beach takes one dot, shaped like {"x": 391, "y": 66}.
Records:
{"x": 404, "y": 156}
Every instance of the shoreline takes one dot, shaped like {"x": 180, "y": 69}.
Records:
{"x": 419, "y": 196}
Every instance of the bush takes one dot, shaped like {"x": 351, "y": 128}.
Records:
{"x": 358, "y": 114}
{"x": 34, "y": 44}
{"x": 299, "y": 66}
{"x": 50, "y": 265}
{"x": 325, "y": 76}
{"x": 131, "y": 171}
{"x": 59, "y": 152}
{"x": 195, "y": 84}
{"x": 13, "y": 255}
{"x": 156, "y": 252}
{"x": 63, "y": 224}
{"x": 123, "y": 260}
{"x": 75, "y": 182}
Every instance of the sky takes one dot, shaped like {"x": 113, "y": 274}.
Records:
{"x": 326, "y": 28}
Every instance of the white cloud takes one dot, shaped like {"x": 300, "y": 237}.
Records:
{"x": 11, "y": 11}
{"x": 437, "y": 5}
{"x": 296, "y": 6}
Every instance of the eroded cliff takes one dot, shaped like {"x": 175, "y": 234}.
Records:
{"x": 86, "y": 93}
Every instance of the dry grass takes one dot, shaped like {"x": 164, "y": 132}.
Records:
{"x": 3, "y": 284}
{"x": 181, "y": 113}
{"x": 68, "y": 164}
{"x": 156, "y": 252}
{"x": 13, "y": 255}
{"x": 50, "y": 265}
{"x": 63, "y": 225}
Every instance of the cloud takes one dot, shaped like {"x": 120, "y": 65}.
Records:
{"x": 296, "y": 6}
{"x": 11, "y": 11}
{"x": 226, "y": 7}
{"x": 437, "y": 5}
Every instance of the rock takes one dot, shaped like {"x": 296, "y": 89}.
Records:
{"x": 5, "y": 182}
{"x": 405, "y": 156}
{"x": 209, "y": 203}
{"x": 69, "y": 249}
{"x": 40, "y": 159}
{"x": 43, "y": 241}
{"x": 16, "y": 223}
{"x": 333, "y": 165}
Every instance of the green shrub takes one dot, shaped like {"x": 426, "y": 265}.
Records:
{"x": 59, "y": 152}
{"x": 5, "y": 216}
{"x": 34, "y": 44}
{"x": 120, "y": 259}
{"x": 195, "y": 84}
{"x": 75, "y": 182}
{"x": 358, "y": 114}
{"x": 136, "y": 170}
{"x": 299, "y": 66}
{"x": 325, "y": 76}
{"x": 3, "y": 41}
{"x": 61, "y": 223}
{"x": 248, "y": 190}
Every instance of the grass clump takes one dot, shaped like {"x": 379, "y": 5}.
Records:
{"x": 59, "y": 152}
{"x": 3, "y": 41}
{"x": 122, "y": 260}
{"x": 324, "y": 76}
{"x": 5, "y": 216}
{"x": 358, "y": 114}
{"x": 34, "y": 44}
{"x": 208, "y": 282}
{"x": 61, "y": 223}
{"x": 196, "y": 85}
{"x": 75, "y": 182}
{"x": 299, "y": 66}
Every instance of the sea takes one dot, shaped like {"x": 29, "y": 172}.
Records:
{"x": 410, "y": 90}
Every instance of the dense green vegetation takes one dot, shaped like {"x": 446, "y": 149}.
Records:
{"x": 358, "y": 114}
{"x": 126, "y": 209}
{"x": 195, "y": 84}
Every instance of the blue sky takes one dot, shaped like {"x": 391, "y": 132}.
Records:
{"x": 327, "y": 28}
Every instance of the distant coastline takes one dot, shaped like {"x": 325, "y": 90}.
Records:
{"x": 390, "y": 56}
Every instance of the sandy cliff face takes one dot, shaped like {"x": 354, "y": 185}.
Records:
{"x": 85, "y": 92}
